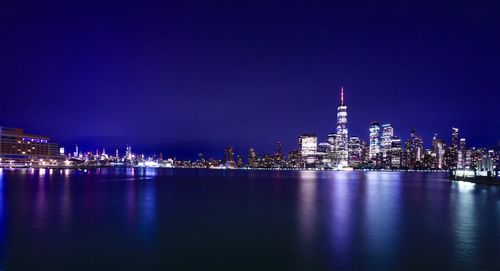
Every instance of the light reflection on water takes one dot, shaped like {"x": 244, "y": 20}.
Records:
{"x": 147, "y": 202}
{"x": 382, "y": 217}
{"x": 382, "y": 210}
{"x": 328, "y": 220}
{"x": 464, "y": 226}
{"x": 40, "y": 204}
{"x": 307, "y": 210}
{"x": 340, "y": 219}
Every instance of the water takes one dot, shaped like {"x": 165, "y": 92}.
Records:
{"x": 148, "y": 219}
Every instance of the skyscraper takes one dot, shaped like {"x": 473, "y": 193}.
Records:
{"x": 374, "y": 140}
{"x": 462, "y": 154}
{"x": 279, "y": 159}
{"x": 229, "y": 156}
{"x": 332, "y": 141}
{"x": 308, "y": 148}
{"x": 239, "y": 161}
{"x": 342, "y": 152}
{"x": 128, "y": 160}
{"x": 452, "y": 152}
{"x": 294, "y": 160}
{"x": 252, "y": 158}
{"x": 365, "y": 152}
{"x": 279, "y": 148}
{"x": 323, "y": 154}
{"x": 454, "y": 136}
{"x": 395, "y": 153}
{"x": 128, "y": 153}
{"x": 438, "y": 151}
{"x": 355, "y": 152}
{"x": 415, "y": 149}
{"x": 386, "y": 144}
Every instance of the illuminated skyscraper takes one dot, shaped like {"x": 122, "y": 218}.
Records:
{"x": 374, "y": 140}
{"x": 332, "y": 141}
{"x": 308, "y": 148}
{"x": 229, "y": 156}
{"x": 128, "y": 153}
{"x": 452, "y": 152}
{"x": 239, "y": 161}
{"x": 342, "y": 152}
{"x": 294, "y": 160}
{"x": 454, "y": 136}
{"x": 279, "y": 148}
{"x": 396, "y": 153}
{"x": 355, "y": 152}
{"x": 128, "y": 159}
{"x": 438, "y": 151}
{"x": 386, "y": 144}
{"x": 279, "y": 159}
{"x": 323, "y": 155}
{"x": 252, "y": 158}
{"x": 415, "y": 150}
{"x": 365, "y": 152}
{"x": 461, "y": 154}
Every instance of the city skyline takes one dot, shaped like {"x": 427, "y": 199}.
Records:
{"x": 214, "y": 152}
{"x": 249, "y": 135}
{"x": 177, "y": 77}
{"x": 379, "y": 139}
{"x": 182, "y": 149}
{"x": 384, "y": 149}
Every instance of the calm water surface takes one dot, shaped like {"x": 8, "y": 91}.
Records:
{"x": 148, "y": 219}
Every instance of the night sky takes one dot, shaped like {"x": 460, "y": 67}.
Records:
{"x": 195, "y": 76}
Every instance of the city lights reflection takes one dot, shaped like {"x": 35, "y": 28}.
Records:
{"x": 307, "y": 209}
{"x": 341, "y": 217}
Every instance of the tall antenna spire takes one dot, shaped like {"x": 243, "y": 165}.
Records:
{"x": 341, "y": 95}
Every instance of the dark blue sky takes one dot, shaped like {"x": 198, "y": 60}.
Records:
{"x": 189, "y": 76}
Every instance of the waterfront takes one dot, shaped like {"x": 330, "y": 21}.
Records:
{"x": 143, "y": 219}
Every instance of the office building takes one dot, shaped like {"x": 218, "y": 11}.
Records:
{"x": 253, "y": 160}
{"x": 20, "y": 149}
{"x": 452, "y": 152}
{"x": 386, "y": 144}
{"x": 308, "y": 148}
{"x": 396, "y": 153}
{"x": 438, "y": 153}
{"x": 342, "y": 152}
{"x": 355, "y": 152}
{"x": 374, "y": 140}
{"x": 229, "y": 156}
{"x": 415, "y": 151}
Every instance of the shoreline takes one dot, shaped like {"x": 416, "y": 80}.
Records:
{"x": 222, "y": 168}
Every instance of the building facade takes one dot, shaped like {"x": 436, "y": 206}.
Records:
{"x": 308, "y": 148}
{"x": 438, "y": 153}
{"x": 342, "y": 143}
{"x": 374, "y": 140}
{"x": 229, "y": 156}
{"x": 386, "y": 144}
{"x": 396, "y": 153}
{"x": 355, "y": 152}
{"x": 415, "y": 151}
{"x": 21, "y": 149}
